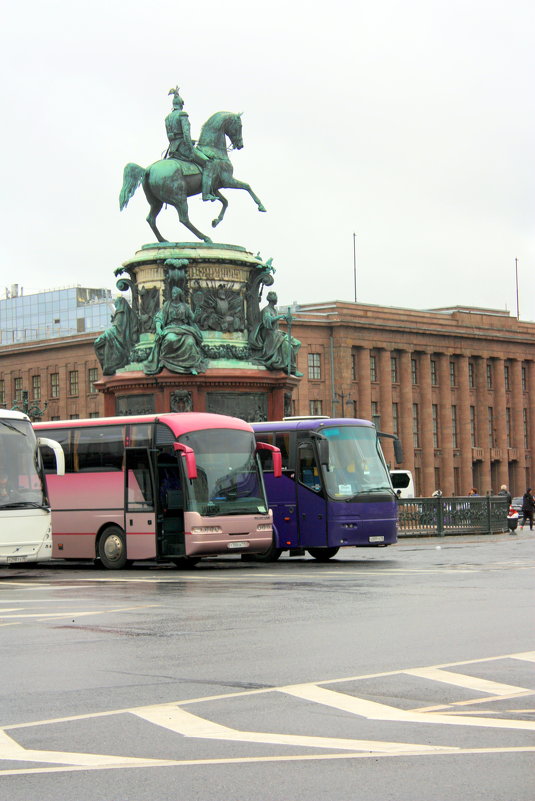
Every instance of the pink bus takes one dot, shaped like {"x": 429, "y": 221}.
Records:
{"x": 167, "y": 487}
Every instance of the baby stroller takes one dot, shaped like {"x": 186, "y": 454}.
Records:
{"x": 512, "y": 520}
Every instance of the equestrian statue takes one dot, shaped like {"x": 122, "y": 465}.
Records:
{"x": 188, "y": 168}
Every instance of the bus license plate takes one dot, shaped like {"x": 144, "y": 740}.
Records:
{"x": 376, "y": 539}
{"x": 11, "y": 559}
{"x": 238, "y": 545}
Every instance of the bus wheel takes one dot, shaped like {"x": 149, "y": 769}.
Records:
{"x": 271, "y": 555}
{"x": 185, "y": 562}
{"x": 112, "y": 548}
{"x": 323, "y": 554}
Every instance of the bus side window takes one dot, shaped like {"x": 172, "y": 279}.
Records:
{"x": 98, "y": 449}
{"x": 308, "y": 470}
{"x": 282, "y": 441}
{"x": 61, "y": 435}
{"x": 266, "y": 457}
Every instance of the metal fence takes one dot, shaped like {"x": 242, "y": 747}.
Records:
{"x": 433, "y": 517}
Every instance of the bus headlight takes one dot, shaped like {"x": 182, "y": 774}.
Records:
{"x": 206, "y": 530}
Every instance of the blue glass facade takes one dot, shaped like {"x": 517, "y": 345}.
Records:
{"x": 55, "y": 313}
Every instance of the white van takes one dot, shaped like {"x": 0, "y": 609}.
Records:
{"x": 402, "y": 483}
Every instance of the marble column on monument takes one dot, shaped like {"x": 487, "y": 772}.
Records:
{"x": 445, "y": 413}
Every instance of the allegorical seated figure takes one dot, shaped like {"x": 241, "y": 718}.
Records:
{"x": 272, "y": 347}
{"x": 178, "y": 340}
{"x": 113, "y": 345}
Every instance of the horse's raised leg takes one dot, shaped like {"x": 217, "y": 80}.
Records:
{"x": 224, "y": 203}
{"x": 182, "y": 208}
{"x": 233, "y": 183}
{"x": 155, "y": 209}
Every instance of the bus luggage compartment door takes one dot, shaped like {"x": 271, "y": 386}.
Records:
{"x": 139, "y": 505}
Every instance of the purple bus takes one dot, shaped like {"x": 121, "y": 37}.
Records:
{"x": 335, "y": 490}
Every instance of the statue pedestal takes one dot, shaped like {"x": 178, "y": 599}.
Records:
{"x": 221, "y": 284}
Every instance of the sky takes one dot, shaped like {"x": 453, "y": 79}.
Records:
{"x": 409, "y": 123}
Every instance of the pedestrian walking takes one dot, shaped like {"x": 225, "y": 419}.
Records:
{"x": 505, "y": 491}
{"x": 528, "y": 506}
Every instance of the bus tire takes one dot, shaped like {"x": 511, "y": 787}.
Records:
{"x": 112, "y": 548}
{"x": 271, "y": 555}
{"x": 185, "y": 562}
{"x": 323, "y": 554}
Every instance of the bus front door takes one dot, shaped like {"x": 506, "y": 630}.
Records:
{"x": 311, "y": 503}
{"x": 139, "y": 505}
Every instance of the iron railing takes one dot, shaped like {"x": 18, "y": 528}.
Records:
{"x": 463, "y": 515}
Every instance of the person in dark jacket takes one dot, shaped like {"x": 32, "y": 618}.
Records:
{"x": 505, "y": 491}
{"x": 528, "y": 506}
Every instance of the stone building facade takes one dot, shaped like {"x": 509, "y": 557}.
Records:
{"x": 456, "y": 385}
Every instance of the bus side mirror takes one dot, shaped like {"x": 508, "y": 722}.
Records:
{"x": 58, "y": 453}
{"x": 398, "y": 451}
{"x": 189, "y": 455}
{"x": 276, "y": 455}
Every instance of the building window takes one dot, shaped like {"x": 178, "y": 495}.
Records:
{"x": 94, "y": 414}
{"x": 508, "y": 426}
{"x": 92, "y": 376}
{"x": 17, "y": 390}
{"x": 74, "y": 417}
{"x": 454, "y": 442}
{"x": 395, "y": 419}
{"x": 506, "y": 378}
{"x": 73, "y": 382}
{"x": 54, "y": 385}
{"x": 453, "y": 374}
{"x": 471, "y": 375}
{"x": 376, "y": 418}
{"x": 434, "y": 373}
{"x": 490, "y": 420}
{"x": 473, "y": 438}
{"x": 2, "y": 391}
{"x": 373, "y": 368}
{"x": 315, "y": 407}
{"x": 394, "y": 369}
{"x": 489, "y": 375}
{"x": 434, "y": 414}
{"x": 437, "y": 477}
{"x": 415, "y": 426}
{"x": 524, "y": 380}
{"x": 414, "y": 371}
{"x": 525, "y": 427}
{"x": 314, "y": 365}
{"x": 36, "y": 387}
{"x": 353, "y": 366}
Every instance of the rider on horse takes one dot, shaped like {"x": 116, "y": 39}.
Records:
{"x": 181, "y": 145}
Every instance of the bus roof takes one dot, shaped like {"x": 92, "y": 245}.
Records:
{"x": 311, "y": 424}
{"x": 179, "y": 422}
{"x": 11, "y": 414}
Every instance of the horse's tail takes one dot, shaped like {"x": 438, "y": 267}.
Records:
{"x": 132, "y": 177}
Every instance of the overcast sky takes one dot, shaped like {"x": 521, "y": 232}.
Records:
{"x": 408, "y": 122}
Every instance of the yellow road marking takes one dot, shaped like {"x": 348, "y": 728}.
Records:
{"x": 468, "y": 682}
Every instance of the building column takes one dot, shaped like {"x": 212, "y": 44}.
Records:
{"x": 405, "y": 411}
{"x": 500, "y": 421}
{"x": 464, "y": 437}
{"x": 426, "y": 425}
{"x": 517, "y": 423}
{"x": 364, "y": 409}
{"x": 446, "y": 428}
{"x": 483, "y": 421}
{"x": 531, "y": 418}
{"x": 385, "y": 403}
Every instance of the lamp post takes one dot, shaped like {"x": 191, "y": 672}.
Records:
{"x": 31, "y": 409}
{"x": 342, "y": 396}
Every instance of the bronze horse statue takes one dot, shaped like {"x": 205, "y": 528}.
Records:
{"x": 172, "y": 180}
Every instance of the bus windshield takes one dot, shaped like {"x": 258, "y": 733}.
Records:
{"x": 21, "y": 483}
{"x": 228, "y": 479}
{"x": 356, "y": 465}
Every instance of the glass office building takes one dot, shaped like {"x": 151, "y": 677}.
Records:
{"x": 54, "y": 313}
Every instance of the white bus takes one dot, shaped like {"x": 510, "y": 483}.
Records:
{"x": 25, "y": 517}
